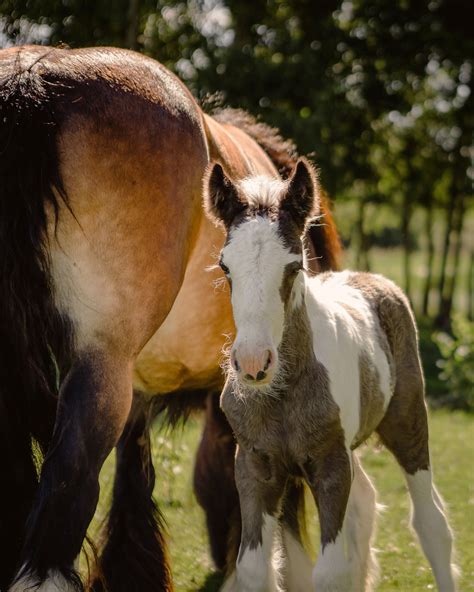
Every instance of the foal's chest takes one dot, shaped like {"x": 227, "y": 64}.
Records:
{"x": 283, "y": 435}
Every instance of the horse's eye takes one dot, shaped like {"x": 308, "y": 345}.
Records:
{"x": 224, "y": 268}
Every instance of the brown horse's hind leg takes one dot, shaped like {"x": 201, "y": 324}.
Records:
{"x": 214, "y": 485}
{"x": 93, "y": 406}
{"x": 404, "y": 431}
{"x": 134, "y": 556}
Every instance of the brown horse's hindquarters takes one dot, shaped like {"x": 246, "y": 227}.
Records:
{"x": 119, "y": 260}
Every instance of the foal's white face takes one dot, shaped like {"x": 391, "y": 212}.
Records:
{"x": 257, "y": 262}
{"x": 264, "y": 219}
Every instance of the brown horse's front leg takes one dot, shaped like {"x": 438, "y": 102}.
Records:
{"x": 93, "y": 407}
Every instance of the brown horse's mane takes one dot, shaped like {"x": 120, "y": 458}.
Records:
{"x": 282, "y": 153}
{"x": 324, "y": 238}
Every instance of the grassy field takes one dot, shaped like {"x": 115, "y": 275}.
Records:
{"x": 403, "y": 567}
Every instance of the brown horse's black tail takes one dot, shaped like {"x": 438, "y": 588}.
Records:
{"x": 323, "y": 240}
{"x": 32, "y": 333}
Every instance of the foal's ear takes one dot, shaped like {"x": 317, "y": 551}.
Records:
{"x": 301, "y": 197}
{"x": 221, "y": 199}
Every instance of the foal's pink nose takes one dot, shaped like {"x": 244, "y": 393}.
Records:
{"x": 255, "y": 366}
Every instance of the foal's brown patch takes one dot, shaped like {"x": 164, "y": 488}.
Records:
{"x": 371, "y": 399}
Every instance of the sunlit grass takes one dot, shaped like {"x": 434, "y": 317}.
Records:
{"x": 403, "y": 567}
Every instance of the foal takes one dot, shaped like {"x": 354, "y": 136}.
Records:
{"x": 318, "y": 364}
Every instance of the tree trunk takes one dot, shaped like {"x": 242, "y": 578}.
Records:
{"x": 131, "y": 35}
{"x": 444, "y": 260}
{"x": 470, "y": 289}
{"x": 448, "y": 297}
{"x": 406, "y": 216}
{"x": 362, "y": 258}
{"x": 430, "y": 257}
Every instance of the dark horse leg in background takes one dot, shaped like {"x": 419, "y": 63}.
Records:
{"x": 214, "y": 484}
{"x": 134, "y": 555}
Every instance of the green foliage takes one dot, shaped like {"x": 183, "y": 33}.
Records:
{"x": 457, "y": 363}
{"x": 378, "y": 92}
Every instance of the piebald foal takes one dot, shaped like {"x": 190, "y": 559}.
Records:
{"x": 318, "y": 364}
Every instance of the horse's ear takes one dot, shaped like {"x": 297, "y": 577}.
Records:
{"x": 302, "y": 194}
{"x": 221, "y": 198}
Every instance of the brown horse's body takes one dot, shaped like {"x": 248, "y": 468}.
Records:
{"x": 186, "y": 350}
{"x": 103, "y": 243}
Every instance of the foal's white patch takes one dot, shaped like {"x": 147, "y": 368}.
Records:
{"x": 297, "y": 565}
{"x": 333, "y": 571}
{"x": 359, "y": 525}
{"x": 256, "y": 258}
{"x": 338, "y": 341}
{"x": 431, "y": 526}
{"x": 255, "y": 572}
{"x": 55, "y": 582}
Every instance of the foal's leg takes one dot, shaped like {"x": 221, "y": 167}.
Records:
{"x": 134, "y": 556}
{"x": 404, "y": 431}
{"x": 259, "y": 501}
{"x": 359, "y": 526}
{"x": 296, "y": 564}
{"x": 330, "y": 481}
{"x": 93, "y": 407}
{"x": 214, "y": 484}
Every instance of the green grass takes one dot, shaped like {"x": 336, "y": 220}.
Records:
{"x": 403, "y": 567}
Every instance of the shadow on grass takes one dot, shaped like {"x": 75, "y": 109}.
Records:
{"x": 213, "y": 582}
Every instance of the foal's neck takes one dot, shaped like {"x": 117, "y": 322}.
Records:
{"x": 296, "y": 348}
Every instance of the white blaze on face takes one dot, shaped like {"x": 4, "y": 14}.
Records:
{"x": 256, "y": 258}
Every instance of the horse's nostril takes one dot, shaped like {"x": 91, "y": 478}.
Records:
{"x": 261, "y": 375}
{"x": 269, "y": 360}
{"x": 236, "y": 365}
{"x": 249, "y": 377}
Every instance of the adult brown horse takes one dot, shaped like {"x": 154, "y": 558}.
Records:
{"x": 102, "y": 246}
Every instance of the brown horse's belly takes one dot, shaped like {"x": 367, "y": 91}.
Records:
{"x": 186, "y": 351}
